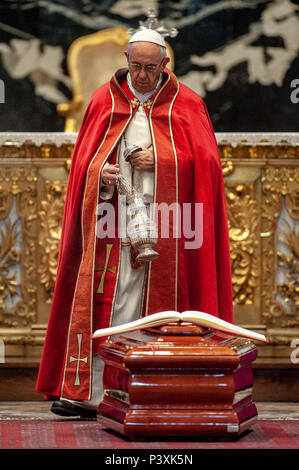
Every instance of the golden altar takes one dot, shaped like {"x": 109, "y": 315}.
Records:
{"x": 261, "y": 173}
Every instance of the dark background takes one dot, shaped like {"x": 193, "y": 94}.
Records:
{"x": 238, "y": 104}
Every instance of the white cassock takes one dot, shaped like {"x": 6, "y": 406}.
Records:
{"x": 129, "y": 291}
{"x": 129, "y": 294}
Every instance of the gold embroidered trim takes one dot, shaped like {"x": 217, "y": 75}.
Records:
{"x": 105, "y": 268}
{"x": 135, "y": 102}
{"x": 148, "y": 104}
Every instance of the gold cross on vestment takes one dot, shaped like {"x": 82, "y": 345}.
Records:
{"x": 148, "y": 104}
{"x": 111, "y": 269}
{"x": 78, "y": 359}
{"x": 135, "y": 102}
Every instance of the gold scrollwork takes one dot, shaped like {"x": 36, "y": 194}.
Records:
{"x": 279, "y": 184}
{"x": 29, "y": 149}
{"x": 22, "y": 340}
{"x": 289, "y": 289}
{"x": 50, "y": 234}
{"x": 264, "y": 150}
{"x": 227, "y": 167}
{"x": 265, "y": 257}
{"x": 278, "y": 340}
{"x": 292, "y": 204}
{"x": 6, "y": 201}
{"x": 17, "y": 246}
{"x": 242, "y": 224}
{"x": 9, "y": 257}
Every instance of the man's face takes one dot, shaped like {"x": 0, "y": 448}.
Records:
{"x": 145, "y": 65}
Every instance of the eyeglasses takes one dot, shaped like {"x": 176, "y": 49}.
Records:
{"x": 147, "y": 68}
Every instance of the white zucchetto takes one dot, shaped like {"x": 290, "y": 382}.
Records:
{"x": 148, "y": 35}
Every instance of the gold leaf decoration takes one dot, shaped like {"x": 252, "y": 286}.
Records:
{"x": 242, "y": 223}
{"x": 289, "y": 289}
{"x": 49, "y": 240}
{"x": 9, "y": 256}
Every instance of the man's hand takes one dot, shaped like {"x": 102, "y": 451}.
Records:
{"x": 143, "y": 160}
{"x": 110, "y": 174}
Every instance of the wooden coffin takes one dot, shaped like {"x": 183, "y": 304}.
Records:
{"x": 177, "y": 380}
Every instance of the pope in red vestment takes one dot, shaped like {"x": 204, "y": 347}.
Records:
{"x": 187, "y": 171}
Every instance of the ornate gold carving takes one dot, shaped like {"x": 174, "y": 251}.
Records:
{"x": 289, "y": 289}
{"x": 279, "y": 340}
{"x": 292, "y": 204}
{"x": 264, "y": 266}
{"x": 68, "y": 164}
{"x": 6, "y": 201}
{"x": 9, "y": 256}
{"x": 242, "y": 224}
{"x": 227, "y": 167}
{"x": 264, "y": 150}
{"x": 50, "y": 234}
{"x": 22, "y": 340}
{"x": 30, "y": 150}
{"x": 18, "y": 299}
{"x": 278, "y": 184}
{"x": 225, "y": 150}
